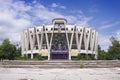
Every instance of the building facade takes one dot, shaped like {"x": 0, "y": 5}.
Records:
{"x": 59, "y": 40}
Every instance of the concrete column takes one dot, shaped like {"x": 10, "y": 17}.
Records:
{"x": 77, "y": 41}
{"x": 95, "y": 56}
{"x": 26, "y": 56}
{"x": 96, "y": 45}
{"x": 50, "y": 42}
{"x": 81, "y": 36}
{"x": 49, "y": 55}
{"x": 69, "y": 55}
{"x": 31, "y": 55}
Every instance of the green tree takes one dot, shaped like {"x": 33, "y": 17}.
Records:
{"x": 18, "y": 52}
{"x": 18, "y": 55}
{"x": 1, "y": 54}
{"x": 7, "y": 50}
{"x": 114, "y": 49}
{"x": 101, "y": 53}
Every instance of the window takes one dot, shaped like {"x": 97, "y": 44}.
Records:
{"x": 32, "y": 36}
{"x": 86, "y": 36}
{"x": 66, "y": 28}
{"x": 37, "y": 30}
{"x": 55, "y": 29}
{"x": 80, "y": 30}
{"x": 77, "y": 29}
{"x": 51, "y": 28}
{"x": 92, "y": 35}
{"x": 43, "y": 29}
{"x": 30, "y": 31}
{"x": 62, "y": 28}
{"x": 71, "y": 29}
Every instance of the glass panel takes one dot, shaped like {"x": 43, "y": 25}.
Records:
{"x": 59, "y": 42}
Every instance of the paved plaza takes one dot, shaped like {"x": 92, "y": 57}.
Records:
{"x": 59, "y": 74}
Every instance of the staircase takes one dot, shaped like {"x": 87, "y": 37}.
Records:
{"x": 60, "y": 64}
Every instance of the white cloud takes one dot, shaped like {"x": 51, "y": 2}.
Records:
{"x": 117, "y": 34}
{"x": 104, "y": 41}
{"x": 108, "y": 25}
{"x": 63, "y": 7}
{"x": 85, "y": 20}
{"x": 11, "y": 20}
{"x": 80, "y": 18}
{"x": 34, "y": 1}
{"x": 55, "y": 5}
{"x": 15, "y": 16}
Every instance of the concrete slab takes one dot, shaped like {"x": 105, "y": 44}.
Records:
{"x": 59, "y": 74}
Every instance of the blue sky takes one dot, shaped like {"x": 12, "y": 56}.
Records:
{"x": 101, "y": 15}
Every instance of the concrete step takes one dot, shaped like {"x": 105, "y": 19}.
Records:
{"x": 61, "y": 64}
{"x": 56, "y": 66}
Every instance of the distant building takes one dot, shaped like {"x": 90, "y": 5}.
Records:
{"x": 59, "y": 40}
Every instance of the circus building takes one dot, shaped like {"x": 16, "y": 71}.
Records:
{"x": 59, "y": 40}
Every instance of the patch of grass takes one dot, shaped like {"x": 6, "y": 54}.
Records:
{"x": 20, "y": 58}
{"x": 82, "y": 66}
{"x": 39, "y": 57}
{"x": 75, "y": 59}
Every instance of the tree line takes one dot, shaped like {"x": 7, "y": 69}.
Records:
{"x": 9, "y": 51}
{"x": 113, "y": 52}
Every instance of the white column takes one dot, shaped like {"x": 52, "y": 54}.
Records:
{"x": 51, "y": 42}
{"x": 92, "y": 40}
{"x": 71, "y": 41}
{"x": 48, "y": 45}
{"x": 81, "y": 36}
{"x": 41, "y": 39}
{"x": 87, "y": 39}
{"x": 66, "y": 32}
{"x": 31, "y": 55}
{"x": 37, "y": 35}
{"x": 96, "y": 45}
{"x": 77, "y": 38}
{"x": 22, "y": 43}
{"x": 26, "y": 43}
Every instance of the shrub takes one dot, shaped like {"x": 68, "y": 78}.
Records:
{"x": 82, "y": 66}
{"x": 39, "y": 57}
{"x": 84, "y": 57}
{"x": 75, "y": 59}
{"x": 19, "y": 58}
